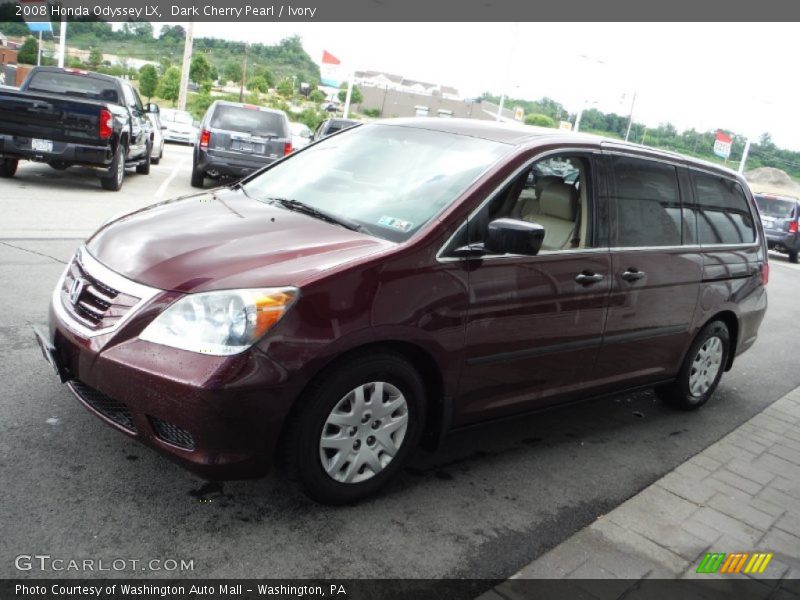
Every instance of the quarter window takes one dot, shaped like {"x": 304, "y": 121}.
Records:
{"x": 723, "y": 215}
{"x": 645, "y": 203}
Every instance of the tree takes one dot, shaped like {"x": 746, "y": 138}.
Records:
{"x": 257, "y": 84}
{"x": 138, "y": 30}
{"x": 29, "y": 52}
{"x": 539, "y": 120}
{"x": 200, "y": 70}
{"x": 233, "y": 71}
{"x": 316, "y": 96}
{"x": 262, "y": 71}
{"x": 95, "y": 58}
{"x": 170, "y": 84}
{"x": 148, "y": 81}
{"x": 286, "y": 87}
{"x": 356, "y": 97}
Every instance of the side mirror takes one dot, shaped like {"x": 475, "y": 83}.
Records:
{"x": 152, "y": 107}
{"x": 512, "y": 236}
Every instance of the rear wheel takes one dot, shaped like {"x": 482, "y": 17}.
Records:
{"x": 356, "y": 427}
{"x": 116, "y": 172}
{"x": 8, "y": 166}
{"x": 793, "y": 257}
{"x": 198, "y": 176}
{"x": 702, "y": 369}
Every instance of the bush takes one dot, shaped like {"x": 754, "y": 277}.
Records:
{"x": 316, "y": 96}
{"x": 372, "y": 112}
{"x": 29, "y": 52}
{"x": 540, "y": 120}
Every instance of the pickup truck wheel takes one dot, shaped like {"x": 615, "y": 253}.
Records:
{"x": 8, "y": 166}
{"x": 116, "y": 172}
{"x": 198, "y": 177}
{"x": 144, "y": 168}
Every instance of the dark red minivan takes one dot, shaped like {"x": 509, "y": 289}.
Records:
{"x": 402, "y": 279}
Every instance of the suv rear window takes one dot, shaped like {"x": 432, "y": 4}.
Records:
{"x": 73, "y": 84}
{"x": 775, "y": 207}
{"x": 248, "y": 120}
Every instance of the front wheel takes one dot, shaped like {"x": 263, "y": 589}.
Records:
{"x": 116, "y": 172}
{"x": 356, "y": 427}
{"x": 701, "y": 371}
{"x": 8, "y": 166}
{"x": 144, "y": 168}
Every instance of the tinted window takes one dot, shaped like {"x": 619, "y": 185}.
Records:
{"x": 775, "y": 207}
{"x": 723, "y": 216}
{"x": 645, "y": 203}
{"x": 249, "y": 120}
{"x": 73, "y": 84}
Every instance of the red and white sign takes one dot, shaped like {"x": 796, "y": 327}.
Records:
{"x": 722, "y": 144}
{"x": 330, "y": 70}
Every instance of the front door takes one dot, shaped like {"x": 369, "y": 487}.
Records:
{"x": 535, "y": 322}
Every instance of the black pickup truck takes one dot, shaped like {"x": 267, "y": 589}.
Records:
{"x": 68, "y": 117}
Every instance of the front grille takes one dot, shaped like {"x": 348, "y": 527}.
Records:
{"x": 172, "y": 434}
{"x": 113, "y": 409}
{"x": 97, "y": 305}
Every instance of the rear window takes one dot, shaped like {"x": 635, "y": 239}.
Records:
{"x": 248, "y": 120}
{"x": 338, "y": 126}
{"x": 775, "y": 207}
{"x": 723, "y": 214}
{"x": 73, "y": 84}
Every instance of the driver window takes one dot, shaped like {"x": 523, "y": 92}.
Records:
{"x": 553, "y": 192}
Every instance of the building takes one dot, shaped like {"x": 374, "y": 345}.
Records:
{"x": 387, "y": 81}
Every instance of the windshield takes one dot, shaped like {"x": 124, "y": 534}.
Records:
{"x": 775, "y": 207}
{"x": 175, "y": 116}
{"x": 390, "y": 179}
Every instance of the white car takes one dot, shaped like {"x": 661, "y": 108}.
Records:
{"x": 180, "y": 126}
{"x": 157, "y": 151}
{"x": 301, "y": 135}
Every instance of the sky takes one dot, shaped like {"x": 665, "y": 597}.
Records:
{"x": 736, "y": 76}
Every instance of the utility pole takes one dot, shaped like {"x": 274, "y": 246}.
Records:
{"x": 186, "y": 66}
{"x": 39, "y": 55}
{"x": 508, "y": 72}
{"x": 745, "y": 152}
{"x": 244, "y": 73}
{"x": 347, "y": 97}
{"x": 62, "y": 43}
{"x": 630, "y": 117}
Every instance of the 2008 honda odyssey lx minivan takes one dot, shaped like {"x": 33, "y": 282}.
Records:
{"x": 402, "y": 279}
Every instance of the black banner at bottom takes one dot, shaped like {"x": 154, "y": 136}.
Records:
{"x": 735, "y": 587}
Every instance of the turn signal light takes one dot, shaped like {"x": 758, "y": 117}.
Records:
{"x": 106, "y": 125}
{"x": 205, "y": 139}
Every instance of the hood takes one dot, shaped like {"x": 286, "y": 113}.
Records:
{"x": 225, "y": 240}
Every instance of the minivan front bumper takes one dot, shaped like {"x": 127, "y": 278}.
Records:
{"x": 218, "y": 416}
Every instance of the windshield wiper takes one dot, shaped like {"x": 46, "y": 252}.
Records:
{"x": 240, "y": 186}
{"x": 302, "y": 207}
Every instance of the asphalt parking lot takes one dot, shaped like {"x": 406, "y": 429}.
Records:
{"x": 487, "y": 503}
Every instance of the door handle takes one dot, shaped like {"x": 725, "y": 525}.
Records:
{"x": 632, "y": 275}
{"x": 587, "y": 278}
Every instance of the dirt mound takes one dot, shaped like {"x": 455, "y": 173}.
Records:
{"x": 772, "y": 181}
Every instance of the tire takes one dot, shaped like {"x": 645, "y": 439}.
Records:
{"x": 59, "y": 166}
{"x": 144, "y": 168}
{"x": 8, "y": 166}
{"x": 354, "y": 470}
{"x": 198, "y": 177}
{"x": 793, "y": 257}
{"x": 701, "y": 371}
{"x": 158, "y": 158}
{"x": 113, "y": 181}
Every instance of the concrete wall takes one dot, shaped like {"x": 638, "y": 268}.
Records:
{"x": 394, "y": 103}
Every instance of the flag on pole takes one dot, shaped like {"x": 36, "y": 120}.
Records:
{"x": 330, "y": 70}
{"x": 37, "y": 15}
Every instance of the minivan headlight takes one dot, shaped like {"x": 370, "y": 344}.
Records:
{"x": 220, "y": 323}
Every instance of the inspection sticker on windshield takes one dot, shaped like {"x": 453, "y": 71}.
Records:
{"x": 397, "y": 224}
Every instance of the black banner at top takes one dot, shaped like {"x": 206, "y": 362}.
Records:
{"x": 400, "y": 10}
